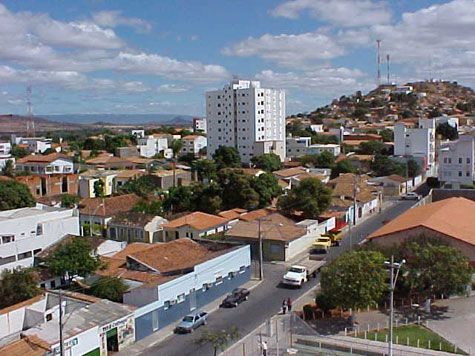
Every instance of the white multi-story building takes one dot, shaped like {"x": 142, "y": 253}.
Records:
{"x": 151, "y": 145}
{"x": 297, "y": 146}
{"x": 34, "y": 144}
{"x": 456, "y": 162}
{"x": 417, "y": 142}
{"x": 247, "y": 117}
{"x": 319, "y": 148}
{"x": 54, "y": 163}
{"x": 26, "y": 231}
{"x": 193, "y": 144}
{"x": 199, "y": 124}
{"x": 5, "y": 147}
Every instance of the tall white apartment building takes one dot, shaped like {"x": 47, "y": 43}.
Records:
{"x": 247, "y": 117}
{"x": 417, "y": 142}
{"x": 456, "y": 162}
{"x": 26, "y": 231}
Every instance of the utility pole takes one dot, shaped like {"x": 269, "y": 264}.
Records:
{"x": 407, "y": 174}
{"x": 261, "y": 267}
{"x": 354, "y": 199}
{"x": 61, "y": 345}
{"x": 379, "y": 61}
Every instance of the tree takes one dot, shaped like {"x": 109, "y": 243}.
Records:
{"x": 356, "y": 279}
{"x": 447, "y": 132}
{"x": 178, "y": 199}
{"x": 110, "y": 288}
{"x": 237, "y": 191}
{"x": 18, "y": 152}
{"x": 267, "y": 187}
{"x": 207, "y": 198}
{"x": 371, "y": 147}
{"x": 17, "y": 286}
{"x": 99, "y": 188}
{"x": 413, "y": 168}
{"x": 434, "y": 267}
{"x": 142, "y": 186}
{"x": 434, "y": 113}
{"x": 187, "y": 158}
{"x": 226, "y": 156}
{"x": 343, "y": 166}
{"x": 219, "y": 339}
{"x": 153, "y": 207}
{"x": 268, "y": 161}
{"x": 384, "y": 166}
{"x": 325, "y": 302}
{"x": 69, "y": 200}
{"x": 324, "y": 160}
{"x": 205, "y": 168}
{"x": 387, "y": 135}
{"x": 111, "y": 143}
{"x": 14, "y": 195}
{"x": 74, "y": 258}
{"x": 8, "y": 169}
{"x": 176, "y": 147}
{"x": 310, "y": 197}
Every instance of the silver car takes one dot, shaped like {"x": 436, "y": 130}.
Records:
{"x": 191, "y": 322}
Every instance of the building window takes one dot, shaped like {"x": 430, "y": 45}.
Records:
{"x": 460, "y": 173}
{"x": 467, "y": 174}
{"x": 230, "y": 275}
{"x": 180, "y": 298}
{"x": 53, "y": 284}
{"x": 24, "y": 255}
{"x": 166, "y": 305}
{"x": 155, "y": 320}
{"x": 450, "y": 160}
{"x": 460, "y": 160}
{"x": 39, "y": 229}
{"x": 468, "y": 160}
{"x": 5, "y": 260}
{"x": 7, "y": 239}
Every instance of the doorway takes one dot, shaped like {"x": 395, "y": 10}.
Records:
{"x": 112, "y": 340}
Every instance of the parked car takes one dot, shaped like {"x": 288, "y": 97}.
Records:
{"x": 411, "y": 196}
{"x": 237, "y": 296}
{"x": 191, "y": 321}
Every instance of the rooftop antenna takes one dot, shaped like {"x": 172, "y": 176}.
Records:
{"x": 387, "y": 67}
{"x": 30, "y": 123}
{"x": 379, "y": 61}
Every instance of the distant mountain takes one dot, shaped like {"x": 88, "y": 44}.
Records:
{"x": 123, "y": 119}
{"x": 17, "y": 124}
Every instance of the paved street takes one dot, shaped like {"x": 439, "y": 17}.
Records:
{"x": 266, "y": 299}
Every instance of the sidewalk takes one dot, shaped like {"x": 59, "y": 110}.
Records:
{"x": 167, "y": 331}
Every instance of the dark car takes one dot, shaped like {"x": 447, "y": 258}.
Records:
{"x": 237, "y": 296}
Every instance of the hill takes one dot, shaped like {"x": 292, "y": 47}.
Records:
{"x": 10, "y": 124}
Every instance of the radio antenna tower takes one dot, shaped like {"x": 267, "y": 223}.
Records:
{"x": 379, "y": 61}
{"x": 387, "y": 67}
{"x": 30, "y": 123}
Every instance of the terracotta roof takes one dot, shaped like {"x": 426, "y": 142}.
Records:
{"x": 331, "y": 214}
{"x": 396, "y": 178}
{"x": 360, "y": 157}
{"x": 197, "y": 220}
{"x": 139, "y": 160}
{"x": 42, "y": 159}
{"x": 21, "y": 304}
{"x": 175, "y": 255}
{"x": 290, "y": 172}
{"x": 25, "y": 347}
{"x": 107, "y": 160}
{"x": 452, "y": 217}
{"x": 111, "y": 206}
{"x": 132, "y": 218}
{"x": 256, "y": 214}
{"x": 5, "y": 178}
{"x": 190, "y": 137}
{"x": 348, "y": 178}
{"x": 232, "y": 214}
{"x": 130, "y": 173}
{"x": 364, "y": 193}
{"x": 272, "y": 229}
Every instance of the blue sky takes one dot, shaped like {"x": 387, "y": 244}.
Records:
{"x": 93, "y": 56}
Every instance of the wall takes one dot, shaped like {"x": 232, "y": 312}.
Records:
{"x": 86, "y": 341}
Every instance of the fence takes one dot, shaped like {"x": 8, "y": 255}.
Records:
{"x": 289, "y": 334}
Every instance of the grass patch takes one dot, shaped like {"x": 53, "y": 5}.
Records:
{"x": 414, "y": 332}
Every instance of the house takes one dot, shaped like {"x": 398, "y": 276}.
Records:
{"x": 50, "y": 185}
{"x": 4, "y": 158}
{"x": 88, "y": 178}
{"x": 232, "y": 215}
{"x": 450, "y": 220}
{"x": 195, "y": 225}
{"x": 124, "y": 152}
{"x": 199, "y": 124}
{"x": 25, "y": 232}
{"x": 393, "y": 185}
{"x": 138, "y": 133}
{"x": 54, "y": 163}
{"x": 151, "y": 145}
{"x": 297, "y": 146}
{"x": 457, "y": 162}
{"x": 293, "y": 176}
{"x": 108, "y": 162}
{"x": 282, "y": 239}
{"x": 99, "y": 212}
{"x": 168, "y": 280}
{"x": 125, "y": 175}
{"x": 5, "y": 147}
{"x": 34, "y": 144}
{"x": 193, "y": 144}
{"x": 288, "y": 173}
{"x": 94, "y": 326}
{"x": 318, "y": 148}
{"x": 133, "y": 226}
{"x": 171, "y": 178}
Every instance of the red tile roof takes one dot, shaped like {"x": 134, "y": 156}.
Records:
{"x": 197, "y": 220}
{"x": 42, "y": 159}
{"x": 110, "y": 206}
{"x": 25, "y": 347}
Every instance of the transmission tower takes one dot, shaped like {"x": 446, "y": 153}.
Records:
{"x": 379, "y": 61}
{"x": 30, "y": 123}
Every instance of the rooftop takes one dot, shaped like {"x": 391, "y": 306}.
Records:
{"x": 130, "y": 173}
{"x": 452, "y": 217}
{"x": 232, "y": 213}
{"x": 197, "y": 220}
{"x": 98, "y": 173}
{"x": 133, "y": 218}
{"x": 25, "y": 347}
{"x": 107, "y": 206}
{"x": 26, "y": 212}
{"x": 290, "y": 172}
{"x": 256, "y": 214}
{"x": 42, "y": 159}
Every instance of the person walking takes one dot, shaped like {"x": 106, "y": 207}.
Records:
{"x": 289, "y": 304}
{"x": 264, "y": 348}
{"x": 284, "y": 306}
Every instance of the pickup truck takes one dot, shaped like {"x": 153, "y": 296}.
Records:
{"x": 191, "y": 321}
{"x": 322, "y": 244}
{"x": 335, "y": 237}
{"x": 297, "y": 275}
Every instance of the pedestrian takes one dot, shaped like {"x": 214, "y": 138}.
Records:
{"x": 284, "y": 306}
{"x": 264, "y": 348}
{"x": 289, "y": 304}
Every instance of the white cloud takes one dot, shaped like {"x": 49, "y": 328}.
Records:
{"x": 113, "y": 18}
{"x": 346, "y": 13}
{"x": 288, "y": 50}
{"x": 172, "y": 88}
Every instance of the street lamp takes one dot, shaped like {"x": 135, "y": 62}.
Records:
{"x": 392, "y": 265}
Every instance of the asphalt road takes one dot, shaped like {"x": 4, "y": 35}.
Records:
{"x": 266, "y": 299}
